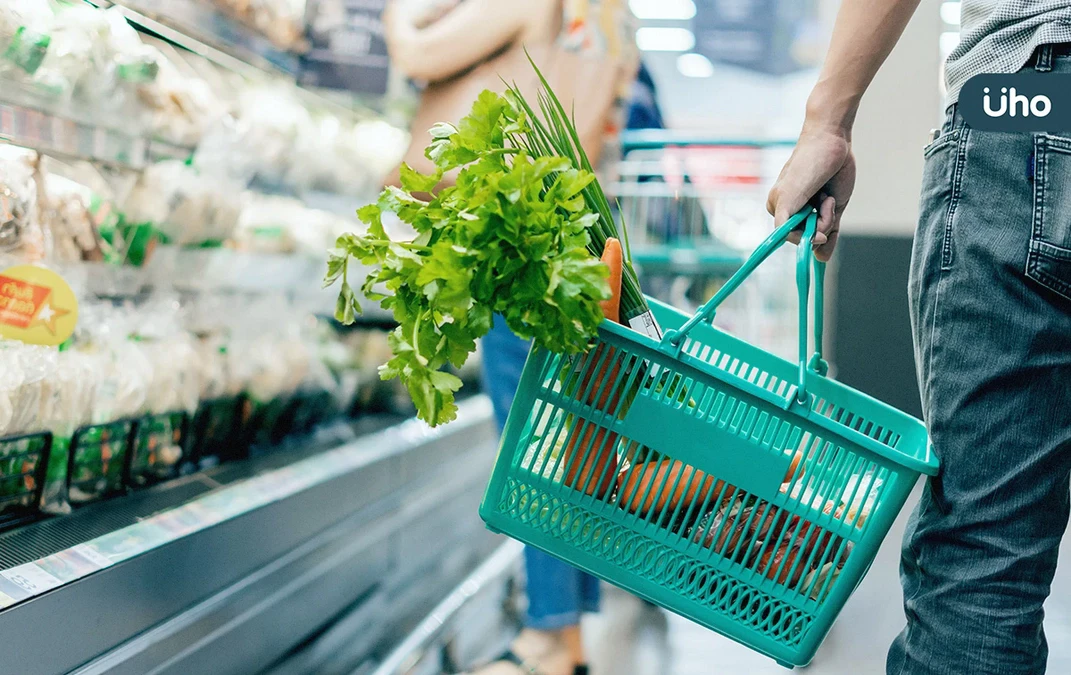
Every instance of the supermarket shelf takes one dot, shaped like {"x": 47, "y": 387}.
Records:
{"x": 219, "y": 271}
{"x": 34, "y": 126}
{"x": 205, "y": 31}
{"x": 162, "y": 150}
{"x": 230, "y": 570}
{"x": 201, "y": 29}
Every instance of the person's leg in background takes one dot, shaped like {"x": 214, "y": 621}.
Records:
{"x": 558, "y": 594}
{"x": 991, "y": 314}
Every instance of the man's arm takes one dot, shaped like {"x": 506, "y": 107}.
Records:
{"x": 821, "y": 169}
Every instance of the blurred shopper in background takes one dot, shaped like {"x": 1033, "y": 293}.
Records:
{"x": 643, "y": 109}
{"x": 438, "y": 39}
{"x": 990, "y": 293}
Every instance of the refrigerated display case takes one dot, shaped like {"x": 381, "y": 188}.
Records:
{"x": 209, "y": 476}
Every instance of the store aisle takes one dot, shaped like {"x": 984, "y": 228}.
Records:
{"x": 629, "y": 638}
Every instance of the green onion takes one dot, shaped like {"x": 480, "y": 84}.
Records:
{"x": 553, "y": 133}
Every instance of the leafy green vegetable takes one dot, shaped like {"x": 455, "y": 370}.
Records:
{"x": 553, "y": 134}
{"x": 513, "y": 236}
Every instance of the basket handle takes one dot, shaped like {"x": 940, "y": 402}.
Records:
{"x": 805, "y": 258}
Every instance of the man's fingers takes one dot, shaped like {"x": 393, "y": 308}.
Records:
{"x": 829, "y": 222}
{"x": 825, "y": 251}
{"x": 826, "y": 214}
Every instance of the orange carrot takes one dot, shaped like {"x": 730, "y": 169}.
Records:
{"x": 793, "y": 465}
{"x": 673, "y": 480}
{"x": 599, "y": 471}
{"x": 613, "y": 256}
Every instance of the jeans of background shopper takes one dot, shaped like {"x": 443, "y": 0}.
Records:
{"x": 990, "y": 293}
{"x": 557, "y": 592}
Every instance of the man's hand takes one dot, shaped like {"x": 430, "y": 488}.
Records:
{"x": 820, "y": 172}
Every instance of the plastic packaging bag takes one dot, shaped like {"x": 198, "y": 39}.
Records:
{"x": 66, "y": 217}
{"x": 169, "y": 351}
{"x": 78, "y": 63}
{"x": 185, "y": 206}
{"x": 21, "y": 238}
{"x": 181, "y": 107}
{"x": 67, "y": 405}
{"x": 25, "y": 27}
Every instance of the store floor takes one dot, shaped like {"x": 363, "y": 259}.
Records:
{"x": 629, "y": 638}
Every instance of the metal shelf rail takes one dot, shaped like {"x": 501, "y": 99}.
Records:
{"x": 228, "y": 570}
{"x": 434, "y": 632}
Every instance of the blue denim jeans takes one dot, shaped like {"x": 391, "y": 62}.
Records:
{"x": 990, "y": 292}
{"x": 557, "y": 592}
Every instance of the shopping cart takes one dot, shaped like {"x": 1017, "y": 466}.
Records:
{"x": 743, "y": 491}
{"x": 693, "y": 205}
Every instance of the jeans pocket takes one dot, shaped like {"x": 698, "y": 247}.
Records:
{"x": 945, "y": 139}
{"x": 1049, "y": 258}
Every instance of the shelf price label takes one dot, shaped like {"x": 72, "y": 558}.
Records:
{"x": 31, "y": 578}
{"x": 36, "y": 306}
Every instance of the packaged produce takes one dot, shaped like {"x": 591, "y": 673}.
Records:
{"x": 342, "y": 364}
{"x": 66, "y": 217}
{"x": 210, "y": 318}
{"x": 268, "y": 355}
{"x": 25, "y": 35}
{"x": 281, "y": 21}
{"x": 266, "y": 223}
{"x": 181, "y": 107}
{"x": 183, "y": 205}
{"x": 21, "y": 238}
{"x": 173, "y": 389}
{"x": 170, "y": 353}
{"x": 272, "y": 120}
{"x": 23, "y": 371}
{"x": 78, "y": 63}
{"x": 122, "y": 383}
{"x": 127, "y": 374}
{"x": 67, "y": 402}
{"x": 97, "y": 60}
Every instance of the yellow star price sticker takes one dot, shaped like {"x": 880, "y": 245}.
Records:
{"x": 36, "y": 306}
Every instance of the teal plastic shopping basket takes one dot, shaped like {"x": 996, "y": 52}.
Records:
{"x": 745, "y": 492}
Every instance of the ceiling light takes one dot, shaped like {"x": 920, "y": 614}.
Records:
{"x": 663, "y": 10}
{"x": 695, "y": 65}
{"x": 652, "y": 39}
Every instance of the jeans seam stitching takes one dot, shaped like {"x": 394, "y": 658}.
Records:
{"x": 1057, "y": 253}
{"x": 1061, "y": 286}
{"x": 1040, "y": 172}
{"x": 1036, "y": 251}
{"x": 957, "y": 177}
{"x": 1058, "y": 143}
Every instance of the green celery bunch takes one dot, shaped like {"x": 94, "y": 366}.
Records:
{"x": 515, "y": 235}
{"x": 551, "y": 133}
